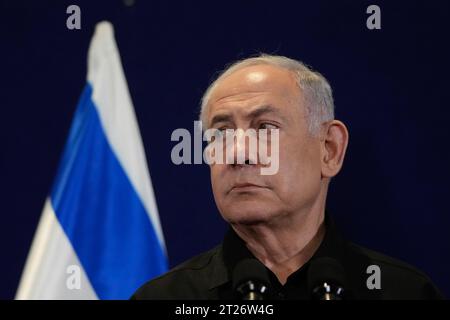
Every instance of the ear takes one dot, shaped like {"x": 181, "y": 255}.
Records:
{"x": 334, "y": 141}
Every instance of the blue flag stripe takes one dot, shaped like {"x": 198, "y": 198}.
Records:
{"x": 101, "y": 213}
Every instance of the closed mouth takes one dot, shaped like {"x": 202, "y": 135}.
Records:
{"x": 245, "y": 187}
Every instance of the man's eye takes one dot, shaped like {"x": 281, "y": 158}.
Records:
{"x": 267, "y": 126}
{"x": 221, "y": 131}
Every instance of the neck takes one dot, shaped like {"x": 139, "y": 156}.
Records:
{"x": 285, "y": 246}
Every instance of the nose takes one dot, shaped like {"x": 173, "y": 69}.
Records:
{"x": 244, "y": 148}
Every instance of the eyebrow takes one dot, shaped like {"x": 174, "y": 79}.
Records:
{"x": 220, "y": 118}
{"x": 259, "y": 111}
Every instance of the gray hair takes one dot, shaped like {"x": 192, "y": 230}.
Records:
{"x": 318, "y": 97}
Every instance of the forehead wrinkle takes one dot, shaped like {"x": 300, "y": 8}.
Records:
{"x": 239, "y": 96}
{"x": 253, "y": 112}
{"x": 243, "y": 91}
{"x": 234, "y": 102}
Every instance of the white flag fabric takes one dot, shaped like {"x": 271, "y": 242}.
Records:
{"x": 99, "y": 236}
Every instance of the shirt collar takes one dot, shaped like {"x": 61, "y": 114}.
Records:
{"x": 234, "y": 250}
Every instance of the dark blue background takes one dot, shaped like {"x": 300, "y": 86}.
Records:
{"x": 390, "y": 86}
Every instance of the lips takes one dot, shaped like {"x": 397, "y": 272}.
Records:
{"x": 245, "y": 187}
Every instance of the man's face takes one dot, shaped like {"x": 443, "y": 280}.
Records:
{"x": 264, "y": 97}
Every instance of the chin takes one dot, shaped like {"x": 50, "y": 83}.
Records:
{"x": 247, "y": 213}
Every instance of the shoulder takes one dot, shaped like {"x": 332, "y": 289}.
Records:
{"x": 189, "y": 280}
{"x": 397, "y": 279}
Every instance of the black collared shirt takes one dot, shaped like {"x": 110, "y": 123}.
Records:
{"x": 208, "y": 275}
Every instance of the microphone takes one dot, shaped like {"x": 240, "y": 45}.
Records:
{"x": 326, "y": 279}
{"x": 251, "y": 280}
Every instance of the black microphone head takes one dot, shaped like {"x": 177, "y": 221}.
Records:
{"x": 329, "y": 271}
{"x": 249, "y": 276}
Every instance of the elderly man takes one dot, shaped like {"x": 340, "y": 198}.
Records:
{"x": 280, "y": 219}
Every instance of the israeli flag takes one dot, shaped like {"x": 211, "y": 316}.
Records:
{"x": 99, "y": 236}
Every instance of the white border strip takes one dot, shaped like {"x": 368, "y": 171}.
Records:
{"x": 113, "y": 101}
